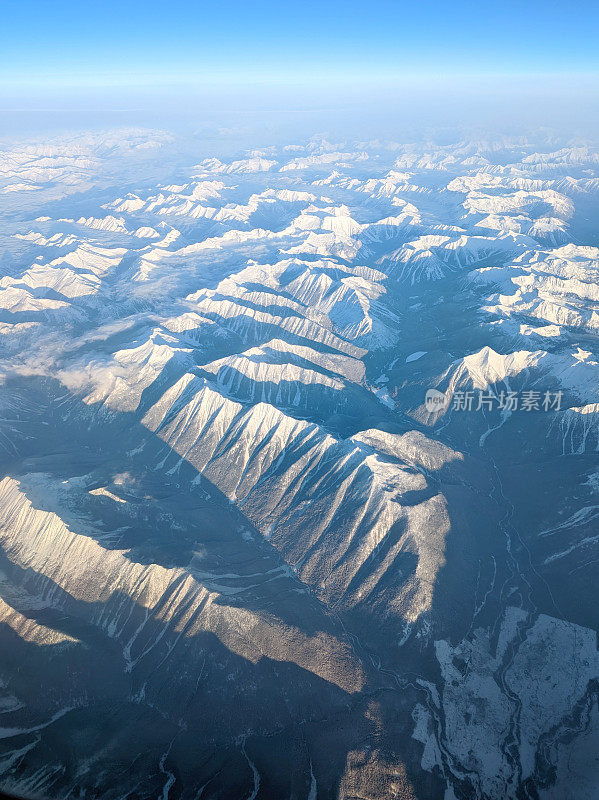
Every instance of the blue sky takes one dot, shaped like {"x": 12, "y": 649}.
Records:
{"x": 176, "y": 41}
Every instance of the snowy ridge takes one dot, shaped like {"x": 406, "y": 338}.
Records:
{"x": 282, "y": 466}
{"x": 144, "y": 607}
{"x": 558, "y": 286}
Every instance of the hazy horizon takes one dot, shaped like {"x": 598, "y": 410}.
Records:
{"x": 391, "y": 64}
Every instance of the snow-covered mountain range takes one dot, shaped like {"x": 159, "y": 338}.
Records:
{"x": 241, "y": 554}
